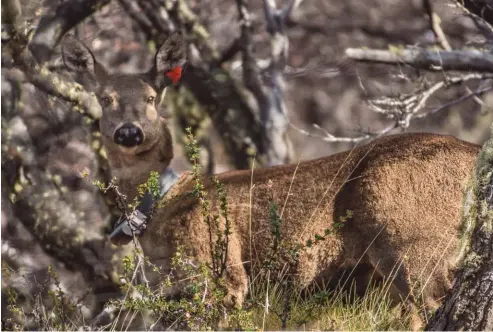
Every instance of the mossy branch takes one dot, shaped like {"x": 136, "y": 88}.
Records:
{"x": 469, "y": 305}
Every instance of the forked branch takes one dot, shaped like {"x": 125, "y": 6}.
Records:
{"x": 479, "y": 10}
{"x": 267, "y": 85}
{"x": 56, "y": 23}
{"x": 403, "y": 109}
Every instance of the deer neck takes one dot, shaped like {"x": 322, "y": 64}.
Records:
{"x": 131, "y": 171}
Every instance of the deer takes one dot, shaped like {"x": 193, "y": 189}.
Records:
{"x": 404, "y": 191}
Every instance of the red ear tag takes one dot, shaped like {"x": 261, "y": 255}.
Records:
{"x": 174, "y": 74}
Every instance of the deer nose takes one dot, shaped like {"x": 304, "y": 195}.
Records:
{"x": 128, "y": 135}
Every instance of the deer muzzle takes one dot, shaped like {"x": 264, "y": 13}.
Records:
{"x": 128, "y": 135}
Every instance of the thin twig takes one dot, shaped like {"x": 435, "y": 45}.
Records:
{"x": 440, "y": 35}
{"x": 454, "y": 102}
{"x": 484, "y": 24}
{"x": 53, "y": 25}
{"x": 403, "y": 109}
{"x": 435, "y": 25}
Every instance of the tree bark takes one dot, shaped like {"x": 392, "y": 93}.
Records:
{"x": 466, "y": 60}
{"x": 469, "y": 306}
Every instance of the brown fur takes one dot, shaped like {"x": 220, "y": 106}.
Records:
{"x": 405, "y": 192}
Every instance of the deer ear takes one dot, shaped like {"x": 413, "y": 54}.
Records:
{"x": 77, "y": 57}
{"x": 170, "y": 59}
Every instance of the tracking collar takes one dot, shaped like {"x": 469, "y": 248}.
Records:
{"x": 134, "y": 224}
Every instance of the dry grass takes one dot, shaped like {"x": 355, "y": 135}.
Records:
{"x": 327, "y": 310}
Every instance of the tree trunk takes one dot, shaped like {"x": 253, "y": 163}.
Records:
{"x": 469, "y": 306}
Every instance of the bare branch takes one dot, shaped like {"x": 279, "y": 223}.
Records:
{"x": 440, "y": 35}
{"x": 55, "y": 24}
{"x": 141, "y": 19}
{"x": 467, "y": 60}
{"x": 474, "y": 94}
{"x": 435, "y": 25}
{"x": 274, "y": 113}
{"x": 251, "y": 72}
{"x": 269, "y": 92}
{"x": 231, "y": 51}
{"x": 480, "y": 22}
{"x": 276, "y": 22}
{"x": 272, "y": 16}
{"x": 403, "y": 109}
{"x": 329, "y": 138}
{"x": 481, "y": 10}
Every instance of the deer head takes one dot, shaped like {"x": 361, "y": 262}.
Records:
{"x": 133, "y": 131}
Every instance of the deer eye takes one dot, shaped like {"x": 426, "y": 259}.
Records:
{"x": 151, "y": 99}
{"x": 106, "y": 101}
